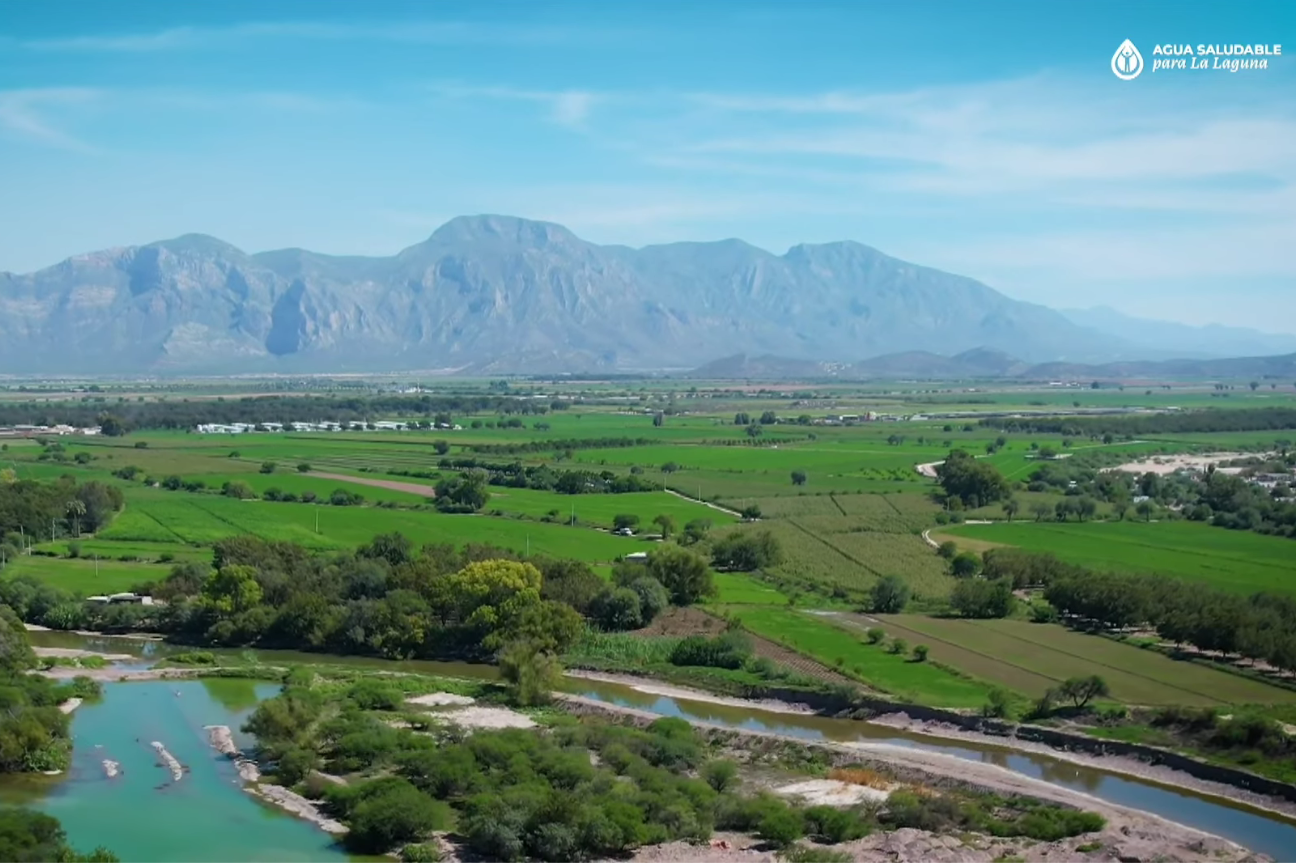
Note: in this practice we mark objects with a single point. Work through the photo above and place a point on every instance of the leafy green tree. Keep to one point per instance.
(695, 531)
(965, 565)
(889, 595)
(968, 479)
(1081, 690)
(684, 573)
(1011, 507)
(665, 524)
(232, 589)
(720, 774)
(920, 652)
(268, 467)
(625, 520)
(981, 598)
(798, 477)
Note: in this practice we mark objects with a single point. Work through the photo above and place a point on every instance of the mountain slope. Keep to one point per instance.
(501, 294)
(1182, 340)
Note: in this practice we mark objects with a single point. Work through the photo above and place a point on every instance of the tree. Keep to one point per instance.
(750, 512)
(1254, 385)
(1120, 506)
(920, 652)
(665, 524)
(624, 521)
(683, 573)
(659, 419)
(982, 598)
(753, 430)
(1145, 508)
(695, 531)
(1011, 507)
(111, 426)
(965, 565)
(617, 609)
(1081, 690)
(232, 589)
(947, 549)
(267, 467)
(889, 595)
(747, 552)
(669, 467)
(969, 480)
(76, 510)
(29, 835)
(742, 419)
(392, 814)
(798, 477)
(440, 447)
(898, 646)
(465, 493)
(875, 634)
(303, 467)
(238, 490)
(531, 674)
(1040, 510)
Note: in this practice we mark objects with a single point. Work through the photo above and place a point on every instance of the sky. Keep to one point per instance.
(989, 139)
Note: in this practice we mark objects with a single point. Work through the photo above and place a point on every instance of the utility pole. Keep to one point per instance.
(573, 521)
(317, 519)
(96, 565)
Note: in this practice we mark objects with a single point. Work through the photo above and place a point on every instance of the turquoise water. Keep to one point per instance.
(142, 815)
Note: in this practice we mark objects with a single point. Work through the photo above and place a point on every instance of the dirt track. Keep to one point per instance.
(390, 485)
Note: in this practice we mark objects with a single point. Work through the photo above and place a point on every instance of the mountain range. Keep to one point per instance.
(982, 363)
(498, 294)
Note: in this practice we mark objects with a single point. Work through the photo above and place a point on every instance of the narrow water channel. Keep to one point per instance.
(1260, 831)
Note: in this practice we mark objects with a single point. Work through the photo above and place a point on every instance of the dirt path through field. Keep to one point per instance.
(717, 507)
(390, 485)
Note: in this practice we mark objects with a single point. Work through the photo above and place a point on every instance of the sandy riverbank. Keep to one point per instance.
(652, 687)
(117, 675)
(1121, 764)
(295, 804)
(73, 653)
(70, 705)
(1140, 835)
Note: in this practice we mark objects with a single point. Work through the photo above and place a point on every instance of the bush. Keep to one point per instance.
(268, 467)
(875, 635)
(898, 646)
(730, 650)
(889, 595)
(831, 825)
(424, 852)
(998, 704)
(391, 812)
(303, 467)
(720, 774)
(781, 827)
(920, 652)
(74, 549)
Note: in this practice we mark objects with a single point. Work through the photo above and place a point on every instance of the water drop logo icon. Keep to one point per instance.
(1127, 62)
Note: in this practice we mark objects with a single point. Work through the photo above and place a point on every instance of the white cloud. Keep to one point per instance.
(410, 32)
(25, 113)
(566, 107)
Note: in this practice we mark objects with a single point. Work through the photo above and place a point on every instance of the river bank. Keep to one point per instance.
(1134, 834)
(649, 686)
(1123, 764)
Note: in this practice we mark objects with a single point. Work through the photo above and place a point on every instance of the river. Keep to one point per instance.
(128, 709)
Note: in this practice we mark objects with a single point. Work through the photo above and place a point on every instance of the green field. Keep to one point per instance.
(600, 509)
(86, 576)
(1239, 561)
(835, 647)
(1030, 658)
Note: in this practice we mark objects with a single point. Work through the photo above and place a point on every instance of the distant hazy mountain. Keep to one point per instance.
(981, 364)
(1182, 340)
(496, 294)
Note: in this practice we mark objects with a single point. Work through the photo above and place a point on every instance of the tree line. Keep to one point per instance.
(1177, 422)
(1259, 627)
(389, 599)
(31, 510)
(185, 413)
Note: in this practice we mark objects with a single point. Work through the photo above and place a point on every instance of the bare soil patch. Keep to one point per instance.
(390, 485)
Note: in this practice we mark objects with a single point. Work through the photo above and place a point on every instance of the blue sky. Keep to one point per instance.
(989, 139)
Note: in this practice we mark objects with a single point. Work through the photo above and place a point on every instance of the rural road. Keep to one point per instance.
(714, 506)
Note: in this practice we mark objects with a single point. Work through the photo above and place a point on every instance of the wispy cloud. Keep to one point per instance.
(565, 107)
(409, 32)
(26, 114)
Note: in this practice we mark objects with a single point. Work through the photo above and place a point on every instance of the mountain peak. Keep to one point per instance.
(197, 244)
(493, 228)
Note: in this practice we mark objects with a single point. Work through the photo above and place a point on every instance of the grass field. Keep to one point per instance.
(198, 519)
(1030, 658)
(600, 509)
(1239, 561)
(837, 648)
(86, 576)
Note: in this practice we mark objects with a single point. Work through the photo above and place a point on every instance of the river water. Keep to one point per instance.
(210, 818)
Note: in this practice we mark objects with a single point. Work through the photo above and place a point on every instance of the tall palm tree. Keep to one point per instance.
(75, 510)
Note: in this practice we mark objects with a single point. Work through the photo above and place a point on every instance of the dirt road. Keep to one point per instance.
(390, 485)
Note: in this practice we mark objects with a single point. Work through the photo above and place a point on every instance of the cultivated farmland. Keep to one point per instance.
(1239, 561)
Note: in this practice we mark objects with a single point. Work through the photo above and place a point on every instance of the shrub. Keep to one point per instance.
(920, 652)
(268, 467)
(303, 467)
(998, 704)
(889, 595)
(875, 634)
(720, 774)
(831, 825)
(898, 646)
(74, 549)
(391, 812)
(423, 852)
